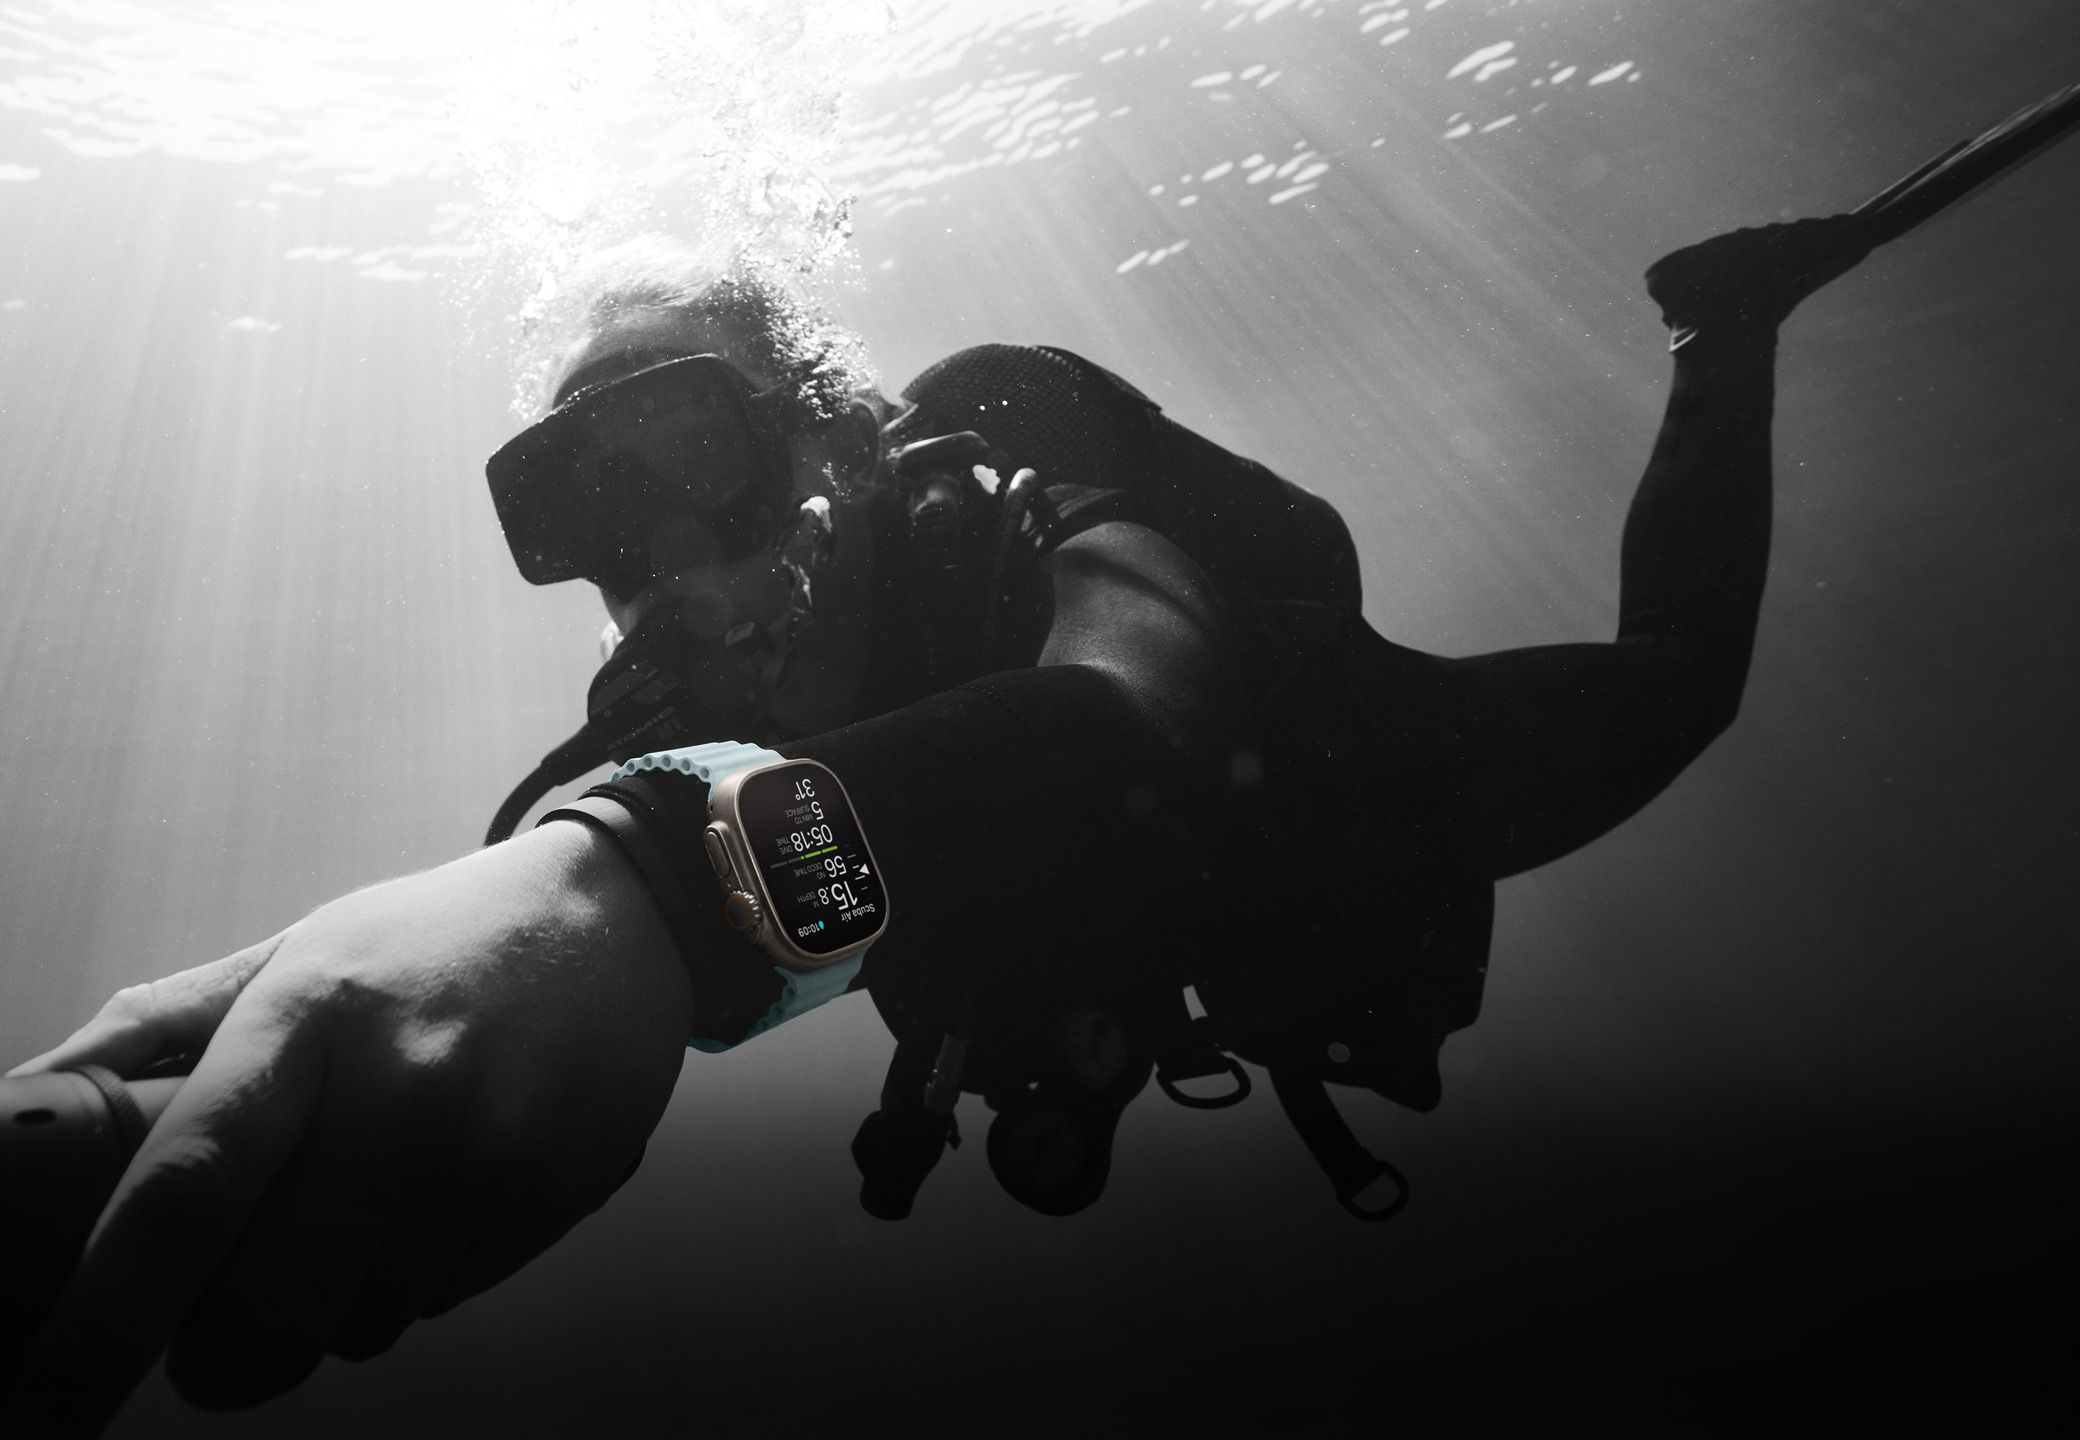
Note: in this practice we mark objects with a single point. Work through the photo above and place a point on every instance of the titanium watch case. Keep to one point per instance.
(746, 894)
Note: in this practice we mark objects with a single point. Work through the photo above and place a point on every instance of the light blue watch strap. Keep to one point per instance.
(710, 762)
(805, 990)
(802, 991)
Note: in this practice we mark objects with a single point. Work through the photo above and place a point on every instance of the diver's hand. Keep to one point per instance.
(159, 1019)
(419, 1088)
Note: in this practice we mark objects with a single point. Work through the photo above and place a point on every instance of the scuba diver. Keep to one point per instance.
(1096, 694)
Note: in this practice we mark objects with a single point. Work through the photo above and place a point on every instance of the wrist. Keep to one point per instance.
(597, 880)
(733, 989)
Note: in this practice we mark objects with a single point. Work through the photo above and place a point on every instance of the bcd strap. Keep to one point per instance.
(1351, 1168)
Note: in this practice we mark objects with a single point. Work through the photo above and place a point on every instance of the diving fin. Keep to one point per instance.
(1764, 273)
(1968, 165)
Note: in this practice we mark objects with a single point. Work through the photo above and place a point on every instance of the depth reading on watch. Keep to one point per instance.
(823, 887)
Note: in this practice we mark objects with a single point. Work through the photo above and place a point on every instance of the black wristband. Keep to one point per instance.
(732, 985)
(644, 851)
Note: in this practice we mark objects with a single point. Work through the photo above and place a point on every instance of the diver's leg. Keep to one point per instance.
(1696, 543)
(1573, 739)
(1696, 546)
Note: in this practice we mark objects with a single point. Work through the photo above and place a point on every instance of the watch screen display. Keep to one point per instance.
(823, 889)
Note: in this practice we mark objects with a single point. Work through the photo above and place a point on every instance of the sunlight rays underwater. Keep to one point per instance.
(266, 274)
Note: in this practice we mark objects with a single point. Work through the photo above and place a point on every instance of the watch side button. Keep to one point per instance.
(717, 856)
(741, 911)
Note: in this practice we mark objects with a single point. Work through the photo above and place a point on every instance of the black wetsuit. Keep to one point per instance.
(1322, 877)
(1313, 882)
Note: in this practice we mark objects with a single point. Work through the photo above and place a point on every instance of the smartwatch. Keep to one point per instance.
(798, 878)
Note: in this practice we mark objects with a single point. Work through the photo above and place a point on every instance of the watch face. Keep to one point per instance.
(823, 888)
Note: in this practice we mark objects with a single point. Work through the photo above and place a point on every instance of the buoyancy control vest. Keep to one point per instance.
(1357, 939)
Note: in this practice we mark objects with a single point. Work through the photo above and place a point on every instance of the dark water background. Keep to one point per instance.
(1769, 1112)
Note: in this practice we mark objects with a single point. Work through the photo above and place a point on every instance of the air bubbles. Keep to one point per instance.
(586, 126)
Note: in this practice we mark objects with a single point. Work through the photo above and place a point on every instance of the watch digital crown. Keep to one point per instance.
(740, 908)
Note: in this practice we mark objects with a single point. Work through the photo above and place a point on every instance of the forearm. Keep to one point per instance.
(601, 891)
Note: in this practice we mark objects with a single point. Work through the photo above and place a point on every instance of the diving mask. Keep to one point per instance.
(683, 463)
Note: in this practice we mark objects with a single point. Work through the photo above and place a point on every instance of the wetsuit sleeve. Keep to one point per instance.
(1023, 808)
